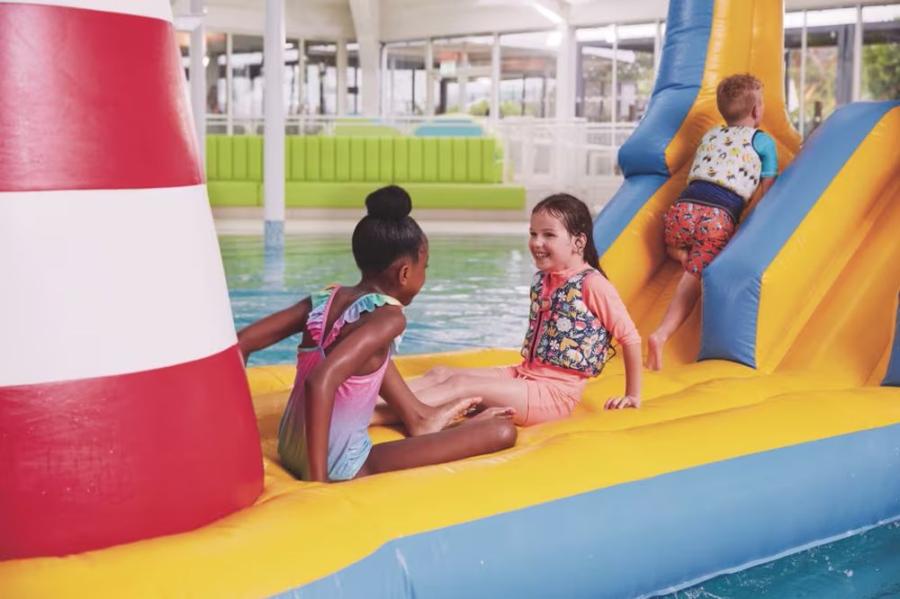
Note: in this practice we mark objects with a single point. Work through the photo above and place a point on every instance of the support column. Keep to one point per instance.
(857, 55)
(614, 109)
(387, 83)
(496, 78)
(229, 85)
(565, 108)
(341, 67)
(580, 107)
(429, 78)
(369, 62)
(366, 20)
(565, 74)
(198, 77)
(657, 47)
(273, 145)
(301, 87)
(802, 92)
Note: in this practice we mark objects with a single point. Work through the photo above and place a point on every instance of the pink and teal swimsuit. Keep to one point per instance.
(354, 401)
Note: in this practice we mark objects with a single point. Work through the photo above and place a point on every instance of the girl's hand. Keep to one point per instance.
(622, 401)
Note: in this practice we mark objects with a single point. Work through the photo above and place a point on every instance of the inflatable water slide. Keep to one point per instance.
(129, 468)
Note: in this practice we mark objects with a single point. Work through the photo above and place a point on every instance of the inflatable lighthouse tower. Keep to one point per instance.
(124, 409)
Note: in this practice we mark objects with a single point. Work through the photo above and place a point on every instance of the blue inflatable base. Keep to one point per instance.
(649, 536)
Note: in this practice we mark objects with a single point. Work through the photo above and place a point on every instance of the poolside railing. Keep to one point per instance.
(572, 155)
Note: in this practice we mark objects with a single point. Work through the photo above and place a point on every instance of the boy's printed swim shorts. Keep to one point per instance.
(700, 229)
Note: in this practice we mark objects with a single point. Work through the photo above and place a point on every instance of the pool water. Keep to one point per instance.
(864, 566)
(476, 295)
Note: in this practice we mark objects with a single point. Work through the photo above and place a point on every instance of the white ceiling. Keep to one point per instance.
(417, 19)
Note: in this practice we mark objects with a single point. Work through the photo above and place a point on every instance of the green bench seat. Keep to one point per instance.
(338, 172)
(425, 196)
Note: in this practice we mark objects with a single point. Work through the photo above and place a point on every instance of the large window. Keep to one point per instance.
(829, 63)
(321, 77)
(404, 81)
(824, 80)
(635, 71)
(183, 39)
(246, 79)
(309, 85)
(793, 67)
(828, 80)
(463, 74)
(214, 64)
(614, 71)
(294, 83)
(593, 95)
(528, 73)
(626, 51)
(214, 67)
(881, 53)
(354, 79)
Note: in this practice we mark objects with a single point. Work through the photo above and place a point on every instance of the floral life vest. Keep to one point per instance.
(563, 332)
(727, 158)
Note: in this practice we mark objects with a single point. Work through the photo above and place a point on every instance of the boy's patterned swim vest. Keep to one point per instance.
(568, 334)
(726, 157)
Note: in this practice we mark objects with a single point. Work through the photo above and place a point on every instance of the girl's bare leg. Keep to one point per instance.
(386, 415)
(491, 432)
(438, 417)
(495, 392)
(439, 374)
(400, 405)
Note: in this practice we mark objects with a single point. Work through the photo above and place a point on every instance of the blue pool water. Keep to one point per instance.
(864, 566)
(477, 296)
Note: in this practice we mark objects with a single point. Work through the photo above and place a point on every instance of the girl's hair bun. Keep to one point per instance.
(389, 203)
(388, 232)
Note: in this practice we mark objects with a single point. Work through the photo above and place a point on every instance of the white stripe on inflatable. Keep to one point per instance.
(155, 9)
(105, 282)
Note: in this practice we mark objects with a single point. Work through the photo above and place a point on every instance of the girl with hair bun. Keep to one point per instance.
(344, 362)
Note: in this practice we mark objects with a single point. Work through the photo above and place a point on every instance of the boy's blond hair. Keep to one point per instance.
(734, 96)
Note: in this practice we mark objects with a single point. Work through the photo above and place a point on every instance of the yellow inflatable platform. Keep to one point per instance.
(785, 433)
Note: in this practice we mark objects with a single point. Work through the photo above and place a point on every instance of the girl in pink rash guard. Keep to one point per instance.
(575, 316)
(344, 363)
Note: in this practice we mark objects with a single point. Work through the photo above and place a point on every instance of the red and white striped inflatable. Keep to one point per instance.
(124, 409)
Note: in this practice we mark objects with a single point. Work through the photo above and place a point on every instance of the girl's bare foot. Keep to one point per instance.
(437, 418)
(506, 413)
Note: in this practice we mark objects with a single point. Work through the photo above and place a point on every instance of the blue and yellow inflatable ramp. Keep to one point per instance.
(781, 438)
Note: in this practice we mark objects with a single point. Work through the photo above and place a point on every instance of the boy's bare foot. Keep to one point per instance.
(437, 418)
(655, 343)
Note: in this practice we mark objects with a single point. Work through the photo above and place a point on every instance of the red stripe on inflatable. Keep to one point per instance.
(91, 100)
(97, 462)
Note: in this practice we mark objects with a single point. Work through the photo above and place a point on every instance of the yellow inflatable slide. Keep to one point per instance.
(773, 427)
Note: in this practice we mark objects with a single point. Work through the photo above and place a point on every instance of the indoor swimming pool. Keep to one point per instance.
(476, 296)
